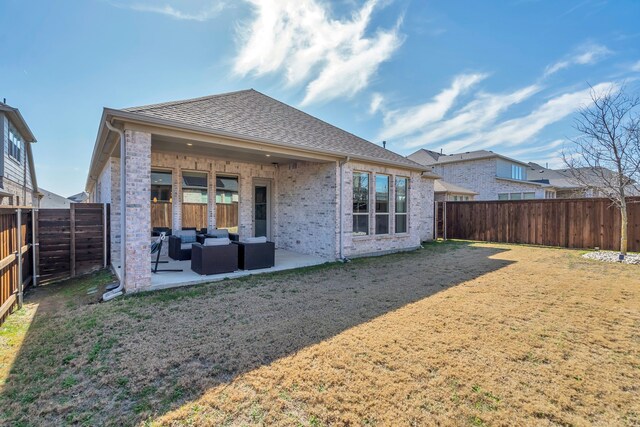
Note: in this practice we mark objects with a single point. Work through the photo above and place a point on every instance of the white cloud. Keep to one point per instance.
(537, 149)
(398, 123)
(376, 103)
(473, 117)
(300, 38)
(587, 54)
(202, 14)
(519, 130)
(636, 67)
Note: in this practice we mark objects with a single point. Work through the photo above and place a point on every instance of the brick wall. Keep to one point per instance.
(246, 173)
(480, 176)
(420, 215)
(307, 207)
(138, 208)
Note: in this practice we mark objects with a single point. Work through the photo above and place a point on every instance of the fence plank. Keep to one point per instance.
(571, 223)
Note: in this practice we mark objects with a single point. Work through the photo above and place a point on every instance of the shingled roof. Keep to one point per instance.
(252, 114)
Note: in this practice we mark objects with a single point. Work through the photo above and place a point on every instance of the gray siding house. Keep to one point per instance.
(18, 186)
(490, 175)
(250, 164)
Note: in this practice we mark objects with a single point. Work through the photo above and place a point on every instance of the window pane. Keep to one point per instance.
(382, 224)
(360, 192)
(401, 195)
(529, 196)
(401, 223)
(382, 193)
(360, 225)
(516, 196)
(191, 195)
(194, 179)
(503, 196)
(161, 186)
(227, 203)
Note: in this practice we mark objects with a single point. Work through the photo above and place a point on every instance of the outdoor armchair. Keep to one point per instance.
(215, 256)
(255, 253)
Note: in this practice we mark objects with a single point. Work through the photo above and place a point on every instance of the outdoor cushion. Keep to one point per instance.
(187, 236)
(218, 233)
(217, 242)
(261, 239)
(185, 245)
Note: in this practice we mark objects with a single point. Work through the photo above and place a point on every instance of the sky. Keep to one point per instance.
(455, 76)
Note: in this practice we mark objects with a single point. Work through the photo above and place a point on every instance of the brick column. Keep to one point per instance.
(176, 177)
(137, 210)
(211, 190)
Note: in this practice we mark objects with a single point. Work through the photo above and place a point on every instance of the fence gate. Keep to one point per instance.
(72, 241)
(16, 256)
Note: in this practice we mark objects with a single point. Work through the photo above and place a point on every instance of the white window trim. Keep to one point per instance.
(368, 212)
(395, 201)
(375, 212)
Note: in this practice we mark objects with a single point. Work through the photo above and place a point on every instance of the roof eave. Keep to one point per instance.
(19, 122)
(127, 116)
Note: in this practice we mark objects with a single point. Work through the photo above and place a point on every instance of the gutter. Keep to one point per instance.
(123, 217)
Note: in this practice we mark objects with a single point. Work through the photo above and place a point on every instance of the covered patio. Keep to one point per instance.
(285, 260)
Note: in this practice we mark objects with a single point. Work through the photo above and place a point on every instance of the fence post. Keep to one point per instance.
(104, 235)
(34, 245)
(72, 248)
(444, 218)
(19, 254)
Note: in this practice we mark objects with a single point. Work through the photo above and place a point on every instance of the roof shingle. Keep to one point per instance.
(255, 115)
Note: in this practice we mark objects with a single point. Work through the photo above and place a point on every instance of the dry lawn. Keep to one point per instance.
(456, 333)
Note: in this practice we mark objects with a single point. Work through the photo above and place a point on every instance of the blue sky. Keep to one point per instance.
(453, 75)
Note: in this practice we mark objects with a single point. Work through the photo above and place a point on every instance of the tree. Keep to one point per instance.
(605, 156)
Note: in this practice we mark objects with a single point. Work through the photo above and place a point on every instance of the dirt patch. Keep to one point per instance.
(456, 333)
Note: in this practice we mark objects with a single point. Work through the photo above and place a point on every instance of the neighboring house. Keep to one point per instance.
(18, 184)
(247, 162)
(567, 187)
(447, 192)
(490, 175)
(49, 200)
(79, 198)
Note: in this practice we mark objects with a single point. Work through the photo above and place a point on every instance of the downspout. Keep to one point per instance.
(341, 244)
(123, 218)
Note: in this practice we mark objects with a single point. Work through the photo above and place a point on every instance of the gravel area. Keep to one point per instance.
(610, 256)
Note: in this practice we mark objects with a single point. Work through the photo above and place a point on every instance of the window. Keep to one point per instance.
(549, 195)
(161, 186)
(194, 187)
(227, 203)
(528, 196)
(382, 204)
(402, 185)
(516, 196)
(15, 144)
(360, 203)
(503, 196)
(516, 172)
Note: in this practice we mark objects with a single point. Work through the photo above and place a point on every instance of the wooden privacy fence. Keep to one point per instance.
(72, 241)
(16, 256)
(194, 215)
(569, 223)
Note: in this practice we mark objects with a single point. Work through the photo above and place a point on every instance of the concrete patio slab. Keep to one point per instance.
(285, 260)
